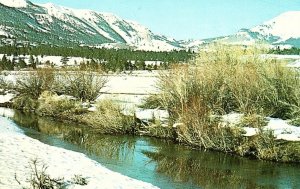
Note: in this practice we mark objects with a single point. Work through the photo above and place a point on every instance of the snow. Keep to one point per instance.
(231, 119)
(56, 60)
(3, 33)
(280, 57)
(295, 64)
(250, 131)
(281, 128)
(17, 150)
(14, 3)
(6, 112)
(285, 26)
(149, 114)
(131, 84)
(6, 98)
(133, 33)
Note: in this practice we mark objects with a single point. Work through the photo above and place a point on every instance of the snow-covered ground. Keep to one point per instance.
(6, 98)
(55, 60)
(131, 84)
(295, 64)
(281, 128)
(280, 57)
(17, 150)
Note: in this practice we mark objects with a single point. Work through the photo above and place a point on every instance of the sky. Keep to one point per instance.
(188, 19)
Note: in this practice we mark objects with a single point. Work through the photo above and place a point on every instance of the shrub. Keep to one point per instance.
(79, 180)
(82, 85)
(5, 85)
(39, 179)
(35, 83)
(227, 79)
(25, 103)
(58, 106)
(109, 118)
(224, 79)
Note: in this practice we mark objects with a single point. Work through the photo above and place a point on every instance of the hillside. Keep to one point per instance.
(283, 30)
(25, 22)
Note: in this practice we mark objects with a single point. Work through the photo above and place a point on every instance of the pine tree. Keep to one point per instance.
(22, 63)
(64, 60)
(31, 60)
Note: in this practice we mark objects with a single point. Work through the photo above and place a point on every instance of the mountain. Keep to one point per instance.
(283, 30)
(25, 22)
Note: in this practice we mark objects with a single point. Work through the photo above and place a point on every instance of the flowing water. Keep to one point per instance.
(162, 163)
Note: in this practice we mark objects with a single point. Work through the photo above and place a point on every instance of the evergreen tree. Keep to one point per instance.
(31, 60)
(64, 60)
(22, 63)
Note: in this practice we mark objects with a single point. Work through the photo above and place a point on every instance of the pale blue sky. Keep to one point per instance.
(189, 19)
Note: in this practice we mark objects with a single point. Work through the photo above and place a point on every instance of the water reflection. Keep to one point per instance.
(219, 170)
(165, 164)
(120, 148)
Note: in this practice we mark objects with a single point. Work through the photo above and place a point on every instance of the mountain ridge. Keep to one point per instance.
(282, 30)
(29, 23)
(58, 25)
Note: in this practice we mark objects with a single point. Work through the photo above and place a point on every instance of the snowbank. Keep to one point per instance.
(150, 114)
(16, 151)
(281, 129)
(6, 98)
(130, 84)
(295, 64)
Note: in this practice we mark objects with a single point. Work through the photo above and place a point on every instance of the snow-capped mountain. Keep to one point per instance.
(283, 30)
(24, 22)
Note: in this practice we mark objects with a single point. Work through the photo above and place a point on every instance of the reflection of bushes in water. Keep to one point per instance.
(207, 171)
(28, 120)
(112, 147)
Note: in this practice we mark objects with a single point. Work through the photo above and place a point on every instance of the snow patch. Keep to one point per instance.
(14, 3)
(6, 98)
(295, 64)
(7, 126)
(150, 114)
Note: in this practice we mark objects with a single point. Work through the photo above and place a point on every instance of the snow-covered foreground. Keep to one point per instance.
(17, 150)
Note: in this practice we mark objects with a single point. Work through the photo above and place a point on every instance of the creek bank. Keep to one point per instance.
(17, 150)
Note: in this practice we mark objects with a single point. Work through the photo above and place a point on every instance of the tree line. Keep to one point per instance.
(286, 51)
(107, 59)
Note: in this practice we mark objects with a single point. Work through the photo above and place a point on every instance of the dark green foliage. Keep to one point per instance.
(64, 60)
(105, 59)
(22, 63)
(6, 64)
(291, 51)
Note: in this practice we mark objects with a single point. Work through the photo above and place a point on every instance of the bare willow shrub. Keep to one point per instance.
(34, 83)
(31, 86)
(84, 85)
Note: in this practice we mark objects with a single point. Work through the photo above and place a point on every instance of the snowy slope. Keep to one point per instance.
(282, 31)
(14, 3)
(53, 24)
(284, 26)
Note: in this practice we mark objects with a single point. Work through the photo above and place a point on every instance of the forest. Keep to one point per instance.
(110, 59)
